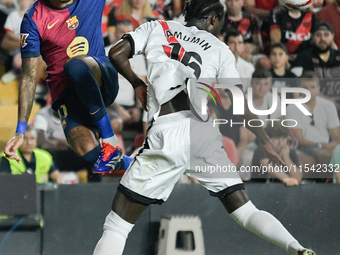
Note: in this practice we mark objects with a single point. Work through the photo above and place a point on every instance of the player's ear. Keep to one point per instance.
(212, 21)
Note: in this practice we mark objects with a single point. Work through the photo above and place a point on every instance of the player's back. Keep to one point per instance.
(197, 49)
(175, 53)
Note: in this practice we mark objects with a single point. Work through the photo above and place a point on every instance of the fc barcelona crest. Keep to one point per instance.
(72, 23)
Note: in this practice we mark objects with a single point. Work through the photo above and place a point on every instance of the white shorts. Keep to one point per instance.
(175, 145)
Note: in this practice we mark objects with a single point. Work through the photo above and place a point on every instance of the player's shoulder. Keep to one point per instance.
(306, 54)
(335, 53)
(42, 153)
(33, 8)
(246, 63)
(247, 15)
(325, 102)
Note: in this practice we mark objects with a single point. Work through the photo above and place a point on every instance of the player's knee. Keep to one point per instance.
(76, 69)
(243, 213)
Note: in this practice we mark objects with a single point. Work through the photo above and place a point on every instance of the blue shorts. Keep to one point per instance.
(71, 111)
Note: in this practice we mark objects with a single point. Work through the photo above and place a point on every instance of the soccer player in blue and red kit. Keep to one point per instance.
(67, 33)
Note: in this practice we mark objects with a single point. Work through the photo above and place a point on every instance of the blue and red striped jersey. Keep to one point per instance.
(60, 34)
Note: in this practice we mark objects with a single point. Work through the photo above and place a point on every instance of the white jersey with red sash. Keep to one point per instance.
(180, 52)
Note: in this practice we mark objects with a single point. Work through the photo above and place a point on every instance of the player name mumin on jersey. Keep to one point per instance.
(194, 39)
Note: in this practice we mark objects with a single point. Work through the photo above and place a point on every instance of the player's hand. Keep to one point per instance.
(284, 152)
(271, 153)
(141, 93)
(13, 145)
(330, 146)
(291, 182)
(124, 114)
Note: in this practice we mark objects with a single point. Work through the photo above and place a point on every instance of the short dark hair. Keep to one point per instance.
(261, 73)
(201, 9)
(279, 45)
(277, 131)
(232, 33)
(309, 76)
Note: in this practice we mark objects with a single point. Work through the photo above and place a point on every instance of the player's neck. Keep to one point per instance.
(27, 156)
(279, 71)
(311, 103)
(138, 13)
(235, 16)
(325, 56)
(59, 4)
(258, 101)
(194, 22)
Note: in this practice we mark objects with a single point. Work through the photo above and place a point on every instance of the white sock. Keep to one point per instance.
(266, 226)
(113, 140)
(116, 230)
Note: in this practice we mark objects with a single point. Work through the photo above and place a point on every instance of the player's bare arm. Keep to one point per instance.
(266, 144)
(26, 98)
(119, 57)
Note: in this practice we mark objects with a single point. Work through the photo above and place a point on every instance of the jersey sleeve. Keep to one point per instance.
(332, 116)
(53, 168)
(274, 21)
(9, 24)
(139, 37)
(255, 24)
(40, 122)
(29, 38)
(314, 23)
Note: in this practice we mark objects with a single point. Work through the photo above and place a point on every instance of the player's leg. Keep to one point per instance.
(228, 187)
(149, 180)
(118, 224)
(261, 223)
(86, 75)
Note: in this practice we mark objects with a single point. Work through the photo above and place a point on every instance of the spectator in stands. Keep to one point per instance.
(317, 6)
(279, 135)
(11, 42)
(320, 58)
(331, 14)
(260, 8)
(323, 60)
(281, 76)
(244, 22)
(137, 11)
(262, 99)
(234, 39)
(50, 137)
(33, 160)
(173, 8)
(6, 6)
(319, 133)
(293, 28)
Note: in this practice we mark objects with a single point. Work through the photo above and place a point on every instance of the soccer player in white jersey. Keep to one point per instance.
(173, 58)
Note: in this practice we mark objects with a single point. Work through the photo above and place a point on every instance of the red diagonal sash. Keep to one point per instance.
(303, 29)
